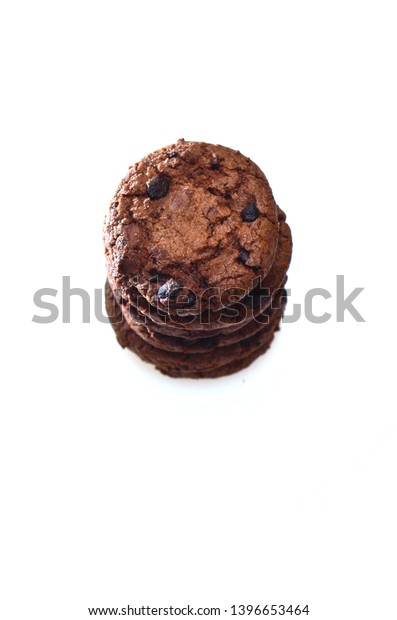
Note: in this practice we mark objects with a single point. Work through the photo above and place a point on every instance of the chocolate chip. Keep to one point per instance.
(157, 186)
(244, 256)
(186, 300)
(169, 290)
(250, 213)
(214, 162)
(172, 155)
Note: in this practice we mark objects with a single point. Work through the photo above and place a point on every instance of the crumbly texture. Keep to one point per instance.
(190, 225)
(213, 323)
(216, 363)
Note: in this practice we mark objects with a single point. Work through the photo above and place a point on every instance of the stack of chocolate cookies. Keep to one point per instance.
(197, 253)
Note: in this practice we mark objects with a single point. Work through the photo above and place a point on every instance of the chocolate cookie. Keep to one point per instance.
(191, 226)
(199, 364)
(213, 323)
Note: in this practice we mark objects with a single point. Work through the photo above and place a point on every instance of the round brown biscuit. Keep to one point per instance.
(191, 215)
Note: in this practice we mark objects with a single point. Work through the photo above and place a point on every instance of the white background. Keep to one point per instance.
(276, 485)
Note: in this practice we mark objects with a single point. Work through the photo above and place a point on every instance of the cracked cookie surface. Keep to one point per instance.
(191, 226)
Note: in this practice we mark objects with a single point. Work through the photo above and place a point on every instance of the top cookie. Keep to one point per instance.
(192, 226)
